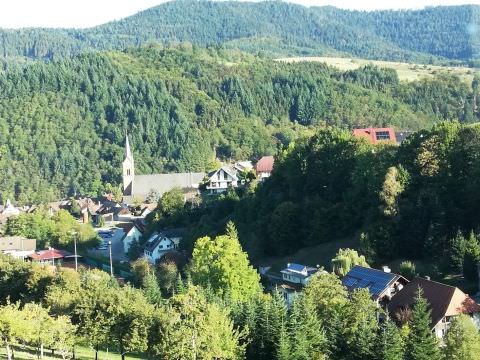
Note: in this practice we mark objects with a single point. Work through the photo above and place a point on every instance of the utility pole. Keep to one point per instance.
(111, 263)
(76, 256)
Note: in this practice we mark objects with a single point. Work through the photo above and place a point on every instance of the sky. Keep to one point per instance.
(87, 13)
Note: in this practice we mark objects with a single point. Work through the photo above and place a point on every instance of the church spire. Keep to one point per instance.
(128, 168)
(128, 151)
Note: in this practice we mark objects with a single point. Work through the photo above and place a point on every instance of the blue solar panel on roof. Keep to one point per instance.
(349, 281)
(376, 281)
(296, 267)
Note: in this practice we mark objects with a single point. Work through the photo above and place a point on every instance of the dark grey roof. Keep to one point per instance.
(161, 183)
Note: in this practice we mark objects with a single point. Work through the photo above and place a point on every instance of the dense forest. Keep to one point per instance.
(416, 201)
(63, 123)
(272, 28)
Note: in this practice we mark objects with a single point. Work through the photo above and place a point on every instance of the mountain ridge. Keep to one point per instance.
(273, 28)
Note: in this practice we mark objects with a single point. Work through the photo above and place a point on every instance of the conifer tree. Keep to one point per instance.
(472, 258)
(462, 341)
(390, 343)
(421, 342)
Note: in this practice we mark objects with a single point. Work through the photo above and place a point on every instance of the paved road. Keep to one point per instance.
(117, 246)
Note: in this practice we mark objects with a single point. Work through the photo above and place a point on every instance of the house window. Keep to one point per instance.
(382, 135)
(225, 177)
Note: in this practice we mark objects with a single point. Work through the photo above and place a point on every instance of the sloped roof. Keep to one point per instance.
(265, 164)
(157, 237)
(161, 183)
(444, 300)
(376, 281)
(228, 170)
(50, 254)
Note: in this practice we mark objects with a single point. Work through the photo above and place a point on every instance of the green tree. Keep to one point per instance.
(421, 342)
(462, 341)
(456, 252)
(360, 326)
(192, 328)
(345, 259)
(390, 344)
(171, 202)
(12, 326)
(407, 269)
(221, 264)
(472, 257)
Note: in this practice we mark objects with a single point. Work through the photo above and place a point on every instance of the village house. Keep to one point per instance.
(50, 256)
(445, 302)
(289, 281)
(17, 246)
(222, 179)
(376, 135)
(132, 232)
(161, 243)
(264, 167)
(382, 284)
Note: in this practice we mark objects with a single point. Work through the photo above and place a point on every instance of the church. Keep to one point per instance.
(137, 187)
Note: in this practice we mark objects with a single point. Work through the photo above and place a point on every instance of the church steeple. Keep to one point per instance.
(128, 168)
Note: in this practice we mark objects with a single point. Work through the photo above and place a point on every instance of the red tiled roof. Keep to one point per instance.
(371, 134)
(444, 300)
(265, 164)
(51, 254)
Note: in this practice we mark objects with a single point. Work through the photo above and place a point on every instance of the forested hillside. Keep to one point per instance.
(417, 201)
(62, 123)
(271, 28)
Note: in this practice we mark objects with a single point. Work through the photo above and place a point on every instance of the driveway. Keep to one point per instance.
(117, 245)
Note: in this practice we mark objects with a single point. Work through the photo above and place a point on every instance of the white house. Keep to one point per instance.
(132, 233)
(291, 281)
(220, 180)
(161, 243)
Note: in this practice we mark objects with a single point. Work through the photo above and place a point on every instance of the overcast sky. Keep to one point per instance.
(86, 13)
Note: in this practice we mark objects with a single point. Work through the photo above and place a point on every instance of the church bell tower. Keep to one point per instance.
(128, 169)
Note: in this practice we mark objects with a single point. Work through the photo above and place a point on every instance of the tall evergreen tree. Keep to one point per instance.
(462, 341)
(390, 344)
(421, 342)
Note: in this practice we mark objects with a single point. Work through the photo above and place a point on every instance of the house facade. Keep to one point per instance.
(289, 281)
(220, 180)
(160, 243)
(264, 167)
(132, 233)
(17, 246)
(446, 302)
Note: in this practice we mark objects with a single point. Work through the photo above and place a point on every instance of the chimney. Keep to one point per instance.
(386, 269)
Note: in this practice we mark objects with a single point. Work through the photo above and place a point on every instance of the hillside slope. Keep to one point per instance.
(274, 28)
(62, 123)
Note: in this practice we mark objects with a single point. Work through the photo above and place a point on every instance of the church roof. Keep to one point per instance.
(161, 183)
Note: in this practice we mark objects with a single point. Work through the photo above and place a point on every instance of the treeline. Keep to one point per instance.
(273, 28)
(215, 310)
(414, 201)
(63, 123)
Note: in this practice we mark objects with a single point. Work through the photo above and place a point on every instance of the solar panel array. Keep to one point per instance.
(296, 267)
(365, 278)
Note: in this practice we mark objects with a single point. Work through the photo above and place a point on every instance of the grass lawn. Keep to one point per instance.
(82, 353)
(405, 71)
(320, 254)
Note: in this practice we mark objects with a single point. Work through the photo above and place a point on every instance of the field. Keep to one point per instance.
(405, 71)
(81, 353)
